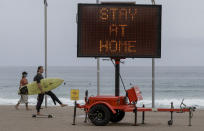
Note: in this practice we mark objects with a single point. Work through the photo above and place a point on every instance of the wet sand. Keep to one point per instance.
(21, 120)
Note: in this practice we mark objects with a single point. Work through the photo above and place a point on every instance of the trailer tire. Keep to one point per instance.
(118, 116)
(99, 115)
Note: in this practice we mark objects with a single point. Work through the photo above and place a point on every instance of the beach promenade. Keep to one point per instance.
(21, 120)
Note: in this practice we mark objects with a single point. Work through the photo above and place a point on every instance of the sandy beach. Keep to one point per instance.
(21, 120)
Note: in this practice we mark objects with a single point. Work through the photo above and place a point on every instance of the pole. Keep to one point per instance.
(98, 76)
(153, 83)
(98, 69)
(117, 78)
(45, 20)
(153, 2)
(153, 74)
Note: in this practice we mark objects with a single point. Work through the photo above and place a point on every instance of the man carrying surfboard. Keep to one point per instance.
(24, 98)
(37, 78)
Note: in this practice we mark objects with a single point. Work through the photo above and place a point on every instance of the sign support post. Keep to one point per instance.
(153, 83)
(74, 95)
(153, 75)
(98, 69)
(117, 77)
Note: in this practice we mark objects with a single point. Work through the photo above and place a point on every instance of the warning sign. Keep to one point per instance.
(74, 94)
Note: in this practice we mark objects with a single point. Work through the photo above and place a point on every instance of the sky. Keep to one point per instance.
(22, 33)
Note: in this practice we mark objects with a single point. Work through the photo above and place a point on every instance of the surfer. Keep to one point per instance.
(37, 78)
(23, 98)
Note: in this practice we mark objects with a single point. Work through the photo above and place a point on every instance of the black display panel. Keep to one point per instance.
(119, 30)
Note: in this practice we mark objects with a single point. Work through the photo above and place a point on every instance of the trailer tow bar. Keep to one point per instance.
(191, 110)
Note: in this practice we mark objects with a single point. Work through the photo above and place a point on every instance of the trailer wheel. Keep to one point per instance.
(99, 115)
(118, 116)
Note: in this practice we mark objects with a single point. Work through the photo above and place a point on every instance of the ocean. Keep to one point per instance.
(172, 84)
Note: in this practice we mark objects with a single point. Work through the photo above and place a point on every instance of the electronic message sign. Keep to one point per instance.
(119, 30)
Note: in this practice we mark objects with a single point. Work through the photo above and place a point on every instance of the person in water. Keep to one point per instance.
(23, 98)
(37, 78)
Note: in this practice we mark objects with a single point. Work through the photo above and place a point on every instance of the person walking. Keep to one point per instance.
(40, 98)
(23, 98)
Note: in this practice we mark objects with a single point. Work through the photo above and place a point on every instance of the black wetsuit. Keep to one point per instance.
(37, 78)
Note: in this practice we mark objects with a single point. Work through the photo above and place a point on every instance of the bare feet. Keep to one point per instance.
(28, 109)
(63, 105)
(16, 106)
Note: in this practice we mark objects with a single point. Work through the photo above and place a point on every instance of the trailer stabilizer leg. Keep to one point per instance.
(170, 122)
(143, 115)
(135, 111)
(85, 121)
(190, 116)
